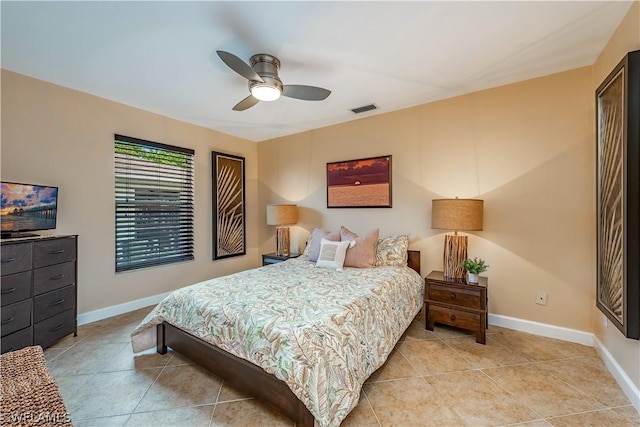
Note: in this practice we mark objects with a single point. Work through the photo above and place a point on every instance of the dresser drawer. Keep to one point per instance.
(55, 251)
(54, 328)
(15, 287)
(52, 303)
(54, 277)
(16, 340)
(15, 317)
(462, 297)
(15, 258)
(459, 318)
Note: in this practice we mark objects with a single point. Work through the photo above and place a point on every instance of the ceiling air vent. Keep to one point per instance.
(364, 108)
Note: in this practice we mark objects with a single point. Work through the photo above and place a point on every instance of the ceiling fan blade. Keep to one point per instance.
(238, 65)
(246, 103)
(308, 93)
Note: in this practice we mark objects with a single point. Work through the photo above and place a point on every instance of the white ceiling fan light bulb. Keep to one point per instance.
(265, 92)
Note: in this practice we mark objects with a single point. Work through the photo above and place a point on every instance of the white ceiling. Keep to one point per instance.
(160, 56)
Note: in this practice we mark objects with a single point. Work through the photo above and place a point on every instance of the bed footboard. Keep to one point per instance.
(238, 372)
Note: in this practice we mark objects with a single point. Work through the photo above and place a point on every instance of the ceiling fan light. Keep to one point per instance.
(265, 92)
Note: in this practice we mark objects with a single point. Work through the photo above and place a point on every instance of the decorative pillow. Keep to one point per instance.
(363, 254)
(315, 240)
(305, 252)
(332, 254)
(392, 251)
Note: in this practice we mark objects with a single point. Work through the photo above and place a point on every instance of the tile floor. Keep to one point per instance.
(431, 378)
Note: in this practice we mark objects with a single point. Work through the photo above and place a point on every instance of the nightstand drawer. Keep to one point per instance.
(461, 297)
(457, 318)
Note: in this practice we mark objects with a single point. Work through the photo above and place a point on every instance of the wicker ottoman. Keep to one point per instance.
(30, 395)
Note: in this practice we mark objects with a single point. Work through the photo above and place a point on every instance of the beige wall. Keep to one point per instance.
(56, 136)
(625, 39)
(525, 148)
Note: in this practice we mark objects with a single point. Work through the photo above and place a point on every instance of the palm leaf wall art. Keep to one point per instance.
(618, 195)
(229, 214)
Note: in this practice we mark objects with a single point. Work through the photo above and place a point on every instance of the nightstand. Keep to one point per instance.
(456, 303)
(272, 258)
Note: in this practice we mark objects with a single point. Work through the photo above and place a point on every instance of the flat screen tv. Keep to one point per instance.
(27, 207)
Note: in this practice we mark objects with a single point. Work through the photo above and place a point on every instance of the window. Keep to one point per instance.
(154, 203)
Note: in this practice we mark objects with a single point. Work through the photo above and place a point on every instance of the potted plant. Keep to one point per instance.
(473, 268)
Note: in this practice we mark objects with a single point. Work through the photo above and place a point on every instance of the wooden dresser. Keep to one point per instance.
(38, 290)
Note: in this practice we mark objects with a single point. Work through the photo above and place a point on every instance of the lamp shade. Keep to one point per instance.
(282, 214)
(457, 214)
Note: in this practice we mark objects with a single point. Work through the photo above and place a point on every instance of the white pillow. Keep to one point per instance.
(332, 254)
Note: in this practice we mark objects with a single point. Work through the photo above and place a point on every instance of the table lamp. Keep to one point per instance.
(457, 215)
(282, 215)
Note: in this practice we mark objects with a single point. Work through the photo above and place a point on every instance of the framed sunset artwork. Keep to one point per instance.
(360, 183)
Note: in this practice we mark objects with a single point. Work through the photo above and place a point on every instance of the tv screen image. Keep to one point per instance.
(27, 207)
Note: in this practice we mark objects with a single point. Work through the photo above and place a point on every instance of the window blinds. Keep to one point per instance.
(154, 203)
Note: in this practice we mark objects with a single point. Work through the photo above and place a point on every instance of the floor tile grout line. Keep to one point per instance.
(444, 399)
(77, 389)
(133, 412)
(215, 406)
(520, 423)
(399, 350)
(559, 379)
(575, 388)
(149, 411)
(151, 385)
(585, 412)
(512, 395)
(375, 415)
(459, 352)
(499, 385)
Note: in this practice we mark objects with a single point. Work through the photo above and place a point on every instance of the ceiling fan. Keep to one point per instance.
(264, 83)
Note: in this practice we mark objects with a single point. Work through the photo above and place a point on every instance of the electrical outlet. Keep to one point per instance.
(541, 298)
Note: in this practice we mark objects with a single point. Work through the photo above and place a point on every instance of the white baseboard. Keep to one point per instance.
(115, 310)
(550, 331)
(580, 337)
(629, 388)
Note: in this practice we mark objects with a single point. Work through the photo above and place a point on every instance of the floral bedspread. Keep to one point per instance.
(320, 331)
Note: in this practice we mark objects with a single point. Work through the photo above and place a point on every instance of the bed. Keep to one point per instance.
(301, 338)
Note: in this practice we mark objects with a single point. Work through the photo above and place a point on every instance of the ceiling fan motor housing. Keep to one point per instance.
(266, 66)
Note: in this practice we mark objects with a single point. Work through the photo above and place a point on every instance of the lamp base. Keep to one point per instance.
(455, 252)
(282, 241)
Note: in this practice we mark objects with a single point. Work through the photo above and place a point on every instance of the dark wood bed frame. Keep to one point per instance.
(239, 373)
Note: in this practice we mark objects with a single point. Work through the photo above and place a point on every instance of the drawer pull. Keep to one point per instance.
(5, 260)
(58, 277)
(60, 301)
(453, 317)
(56, 252)
(8, 291)
(453, 295)
(7, 321)
(57, 328)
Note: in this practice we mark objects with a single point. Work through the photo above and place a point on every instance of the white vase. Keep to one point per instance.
(472, 277)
